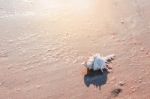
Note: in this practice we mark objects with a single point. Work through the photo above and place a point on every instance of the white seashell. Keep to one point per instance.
(97, 62)
(109, 57)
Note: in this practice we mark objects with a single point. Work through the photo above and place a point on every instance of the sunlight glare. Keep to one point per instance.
(81, 4)
(57, 5)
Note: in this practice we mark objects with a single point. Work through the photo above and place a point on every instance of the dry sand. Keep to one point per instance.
(44, 42)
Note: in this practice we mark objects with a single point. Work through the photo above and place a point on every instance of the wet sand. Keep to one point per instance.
(44, 42)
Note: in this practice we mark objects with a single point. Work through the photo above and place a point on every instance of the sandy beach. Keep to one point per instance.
(44, 42)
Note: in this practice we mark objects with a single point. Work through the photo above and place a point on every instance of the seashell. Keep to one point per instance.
(97, 62)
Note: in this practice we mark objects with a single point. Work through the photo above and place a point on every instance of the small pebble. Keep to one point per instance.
(133, 89)
(121, 83)
(38, 86)
(143, 70)
(112, 36)
(140, 80)
(135, 80)
(122, 21)
(1, 84)
(141, 49)
(49, 50)
(9, 67)
(27, 80)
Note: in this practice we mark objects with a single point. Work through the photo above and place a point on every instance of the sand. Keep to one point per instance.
(44, 42)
